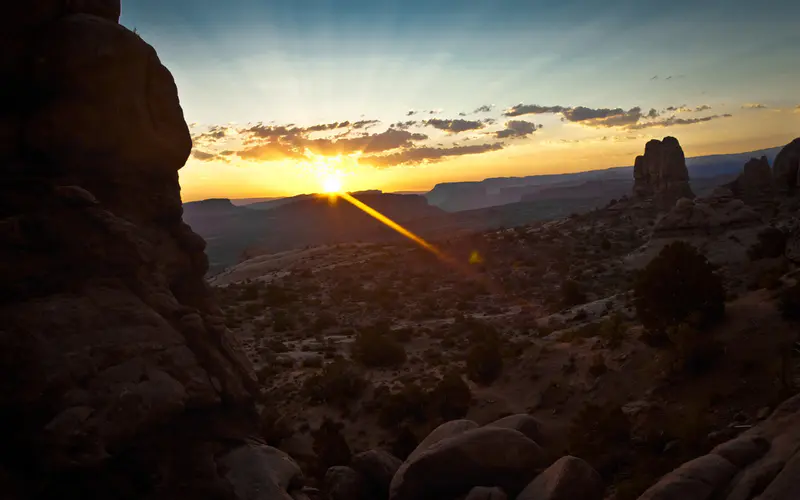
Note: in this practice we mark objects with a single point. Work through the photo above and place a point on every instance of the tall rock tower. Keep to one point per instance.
(661, 173)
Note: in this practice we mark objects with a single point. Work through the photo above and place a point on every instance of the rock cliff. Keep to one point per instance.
(661, 173)
(787, 167)
(119, 378)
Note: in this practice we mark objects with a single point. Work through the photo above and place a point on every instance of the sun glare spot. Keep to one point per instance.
(331, 184)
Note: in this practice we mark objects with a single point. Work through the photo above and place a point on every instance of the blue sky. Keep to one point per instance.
(318, 61)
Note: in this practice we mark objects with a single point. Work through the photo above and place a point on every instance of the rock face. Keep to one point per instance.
(566, 479)
(714, 214)
(487, 456)
(787, 167)
(119, 378)
(754, 185)
(763, 463)
(661, 173)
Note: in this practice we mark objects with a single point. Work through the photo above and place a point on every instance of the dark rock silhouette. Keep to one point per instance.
(787, 166)
(661, 173)
(119, 378)
(754, 185)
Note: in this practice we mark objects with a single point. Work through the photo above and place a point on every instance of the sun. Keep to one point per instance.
(331, 184)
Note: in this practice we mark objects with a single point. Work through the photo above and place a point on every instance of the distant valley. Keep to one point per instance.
(236, 229)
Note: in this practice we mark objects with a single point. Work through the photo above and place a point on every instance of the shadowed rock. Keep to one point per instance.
(787, 167)
(754, 185)
(119, 377)
(661, 174)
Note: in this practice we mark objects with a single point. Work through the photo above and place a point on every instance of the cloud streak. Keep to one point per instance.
(454, 126)
(672, 121)
(517, 128)
(422, 155)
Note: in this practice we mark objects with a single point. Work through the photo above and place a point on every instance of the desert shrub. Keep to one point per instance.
(403, 335)
(598, 366)
(600, 435)
(330, 446)
(448, 400)
(789, 303)
(678, 286)
(451, 398)
(337, 383)
(485, 361)
(613, 330)
(281, 320)
(572, 294)
(324, 320)
(694, 352)
(374, 349)
(274, 427)
(771, 243)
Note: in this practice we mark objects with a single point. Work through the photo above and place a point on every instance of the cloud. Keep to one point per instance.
(454, 126)
(411, 113)
(371, 143)
(202, 155)
(679, 109)
(702, 107)
(268, 152)
(327, 126)
(420, 155)
(653, 113)
(754, 106)
(654, 78)
(593, 117)
(365, 124)
(671, 121)
(404, 125)
(215, 133)
(516, 128)
(532, 109)
(262, 131)
(486, 108)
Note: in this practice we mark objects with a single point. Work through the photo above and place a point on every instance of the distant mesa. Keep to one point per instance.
(661, 173)
(787, 167)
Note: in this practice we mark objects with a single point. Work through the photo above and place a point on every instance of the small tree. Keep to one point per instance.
(678, 286)
(374, 349)
(572, 294)
(485, 362)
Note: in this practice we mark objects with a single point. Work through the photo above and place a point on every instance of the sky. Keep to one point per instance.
(284, 96)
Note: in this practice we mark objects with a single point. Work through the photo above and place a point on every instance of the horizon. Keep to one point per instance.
(284, 99)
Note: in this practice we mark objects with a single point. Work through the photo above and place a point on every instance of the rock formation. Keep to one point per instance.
(754, 185)
(119, 377)
(714, 214)
(786, 168)
(764, 462)
(661, 173)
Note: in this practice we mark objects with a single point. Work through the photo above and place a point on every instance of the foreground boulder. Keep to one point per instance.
(526, 424)
(661, 173)
(444, 431)
(567, 479)
(343, 483)
(259, 472)
(378, 467)
(762, 463)
(504, 458)
(486, 493)
(119, 377)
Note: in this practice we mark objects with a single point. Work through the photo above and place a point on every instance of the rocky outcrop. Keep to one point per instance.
(378, 467)
(786, 168)
(754, 185)
(119, 378)
(569, 478)
(487, 456)
(764, 463)
(525, 424)
(661, 173)
(714, 214)
(343, 483)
